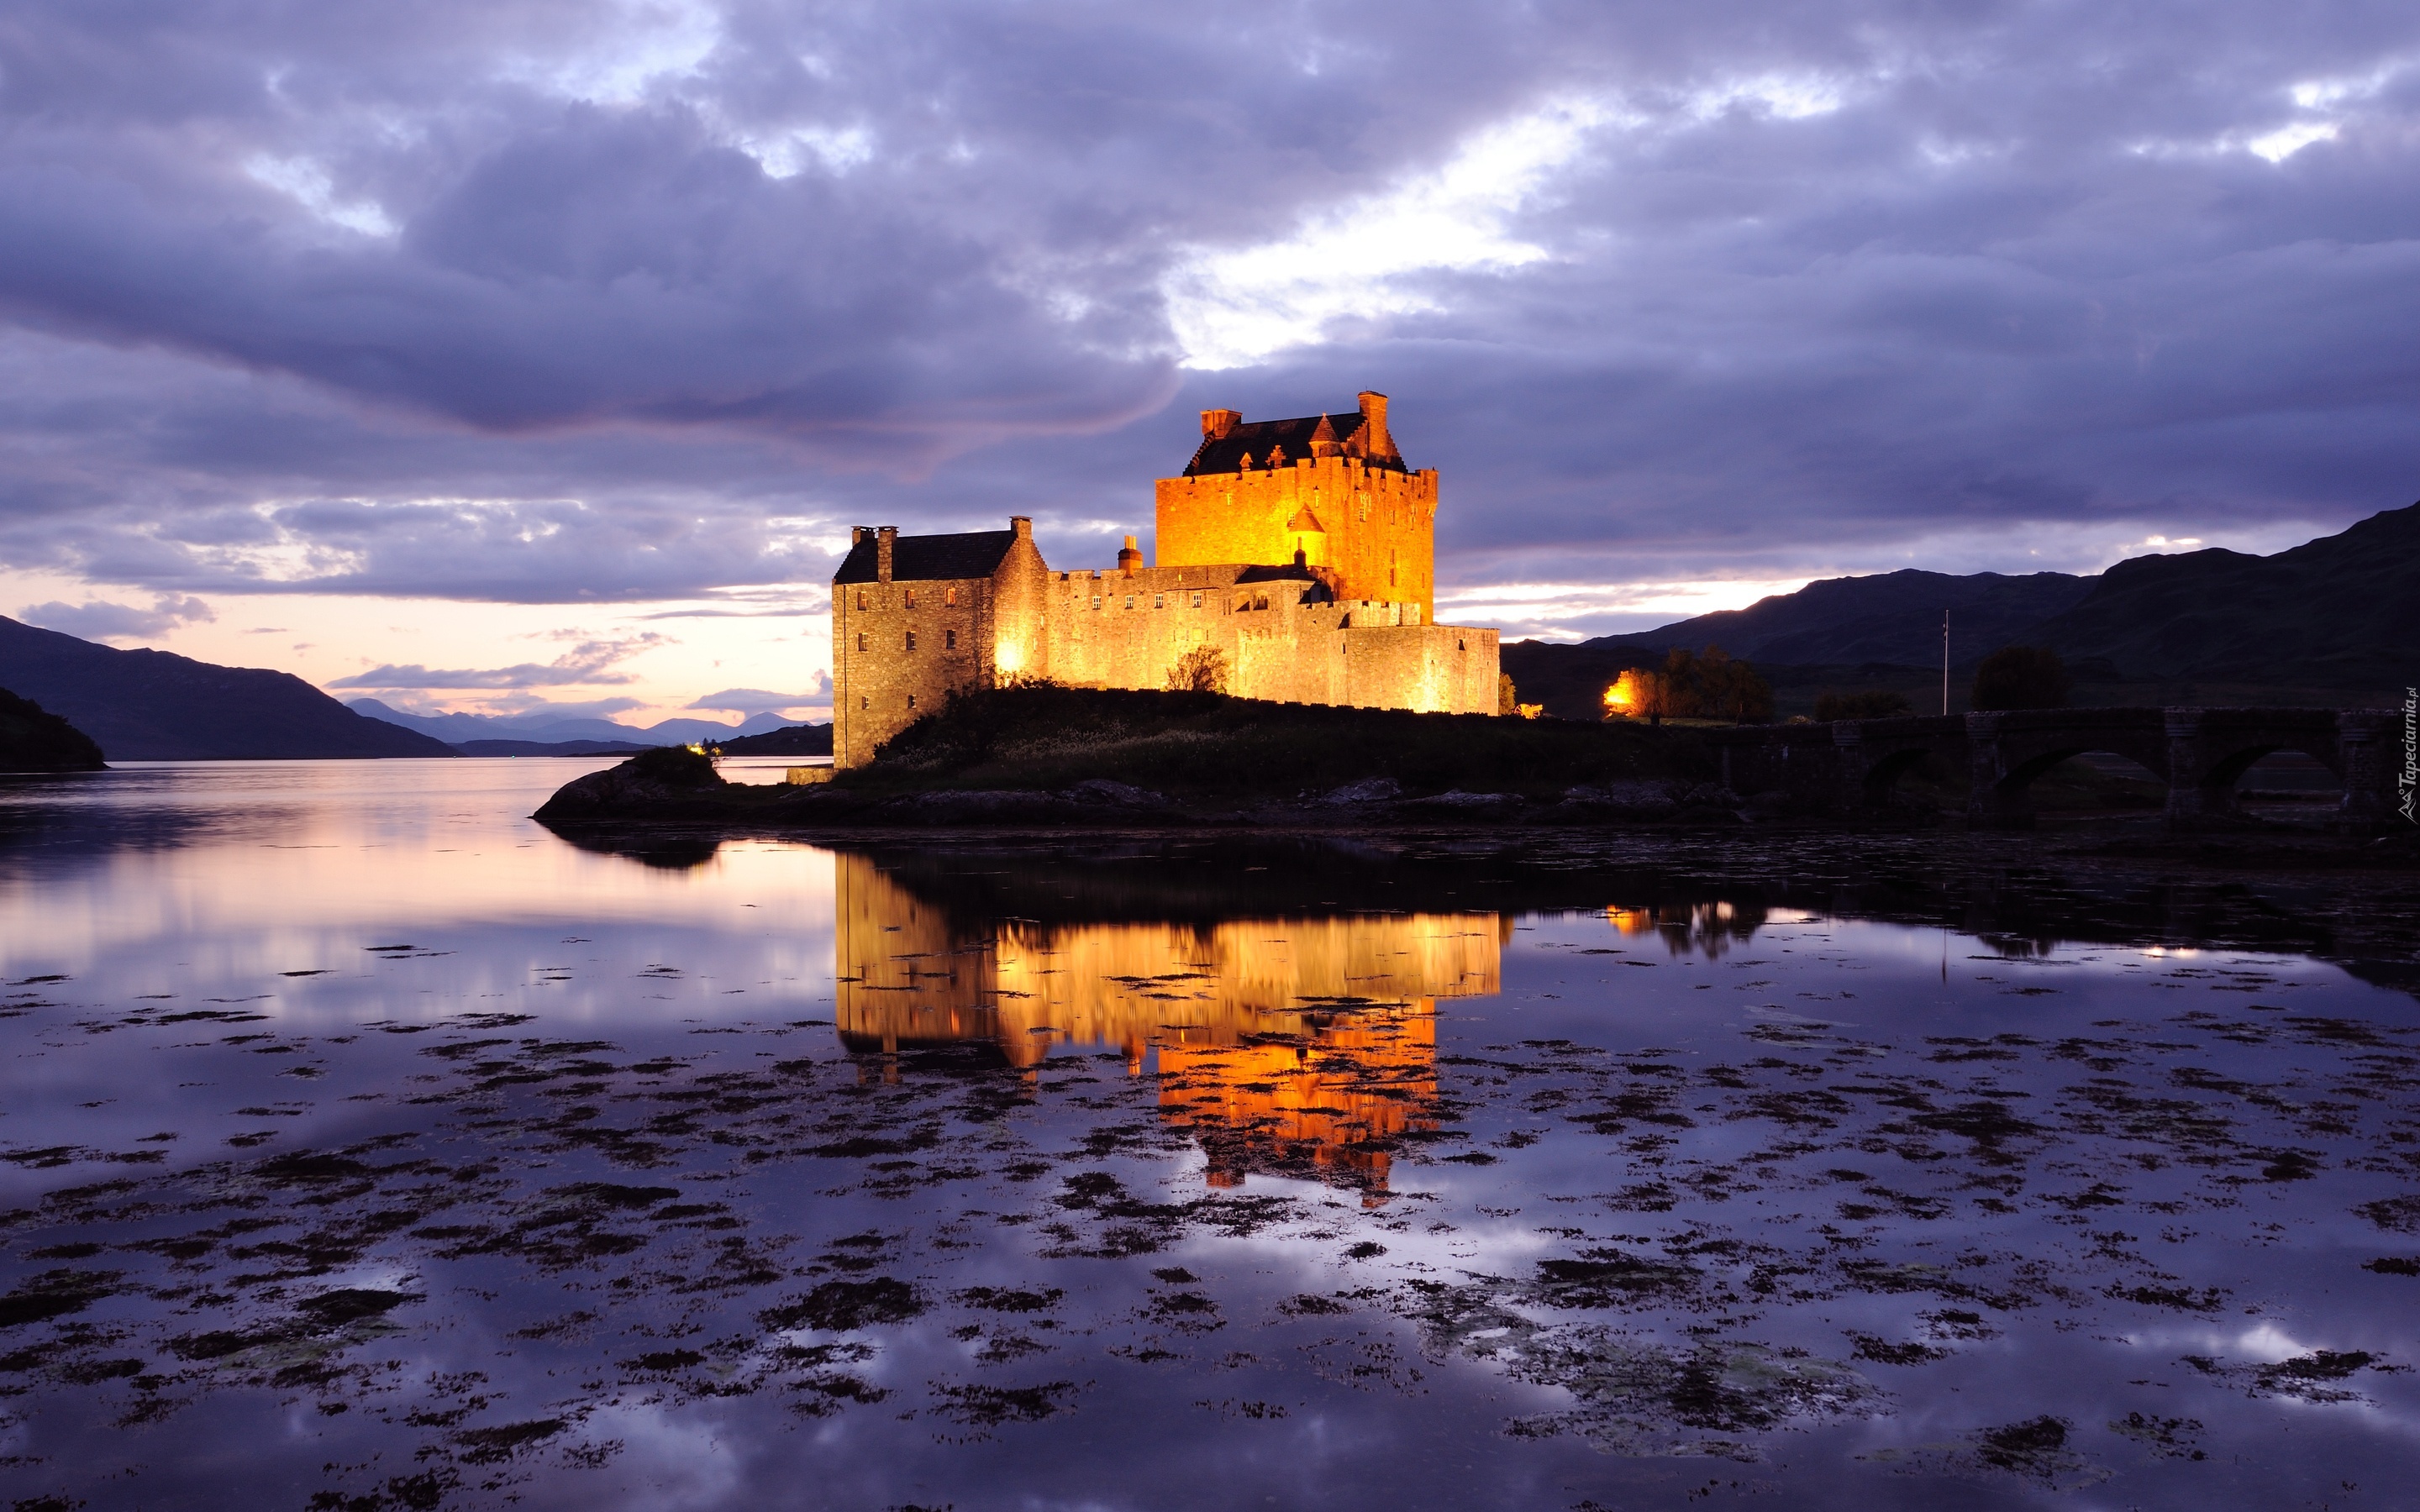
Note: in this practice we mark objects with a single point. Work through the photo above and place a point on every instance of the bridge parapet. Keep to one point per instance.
(2201, 753)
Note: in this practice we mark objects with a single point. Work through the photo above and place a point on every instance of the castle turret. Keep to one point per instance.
(1374, 419)
(1129, 557)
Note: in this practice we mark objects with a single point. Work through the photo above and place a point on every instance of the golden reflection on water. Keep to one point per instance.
(1293, 1044)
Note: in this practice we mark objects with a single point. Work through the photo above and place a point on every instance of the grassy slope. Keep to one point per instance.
(1199, 745)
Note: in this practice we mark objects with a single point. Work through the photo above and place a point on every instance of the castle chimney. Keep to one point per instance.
(1021, 526)
(1216, 424)
(1128, 558)
(857, 533)
(1373, 417)
(885, 538)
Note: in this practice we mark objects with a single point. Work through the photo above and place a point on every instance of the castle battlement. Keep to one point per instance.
(1301, 550)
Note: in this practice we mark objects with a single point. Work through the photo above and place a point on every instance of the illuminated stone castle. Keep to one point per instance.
(1302, 550)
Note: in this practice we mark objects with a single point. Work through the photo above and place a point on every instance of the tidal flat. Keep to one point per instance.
(367, 1146)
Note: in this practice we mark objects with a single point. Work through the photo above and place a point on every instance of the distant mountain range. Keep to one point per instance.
(457, 729)
(2337, 614)
(157, 707)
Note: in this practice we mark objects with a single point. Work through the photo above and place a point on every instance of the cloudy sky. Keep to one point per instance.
(500, 354)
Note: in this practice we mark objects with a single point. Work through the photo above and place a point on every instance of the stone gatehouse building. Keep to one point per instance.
(1302, 549)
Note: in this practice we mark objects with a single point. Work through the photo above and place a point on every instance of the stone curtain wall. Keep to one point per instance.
(1377, 526)
(1119, 629)
(1282, 641)
(1443, 668)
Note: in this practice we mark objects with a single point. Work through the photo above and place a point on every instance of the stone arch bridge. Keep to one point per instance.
(1855, 764)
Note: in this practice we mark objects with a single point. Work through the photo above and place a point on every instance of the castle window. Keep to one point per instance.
(1130, 601)
(949, 598)
(861, 641)
(866, 703)
(1159, 601)
(911, 596)
(912, 701)
(911, 640)
(1197, 601)
(860, 598)
(949, 640)
(1096, 601)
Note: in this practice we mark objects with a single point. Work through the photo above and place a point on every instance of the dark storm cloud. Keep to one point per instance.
(548, 303)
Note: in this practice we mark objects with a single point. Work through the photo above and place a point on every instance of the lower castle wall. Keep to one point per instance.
(1284, 640)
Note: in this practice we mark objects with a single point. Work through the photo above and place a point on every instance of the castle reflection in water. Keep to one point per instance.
(1286, 1040)
(1283, 1043)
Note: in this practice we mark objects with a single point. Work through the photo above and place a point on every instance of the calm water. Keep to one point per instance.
(368, 1146)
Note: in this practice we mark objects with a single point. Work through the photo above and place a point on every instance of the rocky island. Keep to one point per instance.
(1053, 755)
(32, 739)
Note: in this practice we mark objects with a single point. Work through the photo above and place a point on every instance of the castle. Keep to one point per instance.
(1303, 550)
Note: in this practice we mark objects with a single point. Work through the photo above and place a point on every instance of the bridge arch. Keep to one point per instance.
(2015, 790)
(1882, 774)
(2210, 749)
(2010, 750)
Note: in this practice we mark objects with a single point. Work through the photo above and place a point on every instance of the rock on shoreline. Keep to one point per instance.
(675, 786)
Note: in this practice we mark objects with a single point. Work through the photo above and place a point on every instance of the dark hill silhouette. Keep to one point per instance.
(790, 740)
(155, 705)
(35, 740)
(2340, 611)
(1892, 617)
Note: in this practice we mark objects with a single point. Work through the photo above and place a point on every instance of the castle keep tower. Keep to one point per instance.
(916, 618)
(1330, 486)
(1301, 551)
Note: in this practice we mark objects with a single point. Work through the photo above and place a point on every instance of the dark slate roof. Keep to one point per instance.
(918, 559)
(1226, 454)
(1287, 573)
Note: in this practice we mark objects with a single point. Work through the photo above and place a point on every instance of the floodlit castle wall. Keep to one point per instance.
(1127, 630)
(1286, 641)
(900, 648)
(1374, 527)
(1434, 668)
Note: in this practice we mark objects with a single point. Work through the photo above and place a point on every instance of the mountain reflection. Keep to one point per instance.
(1297, 1045)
